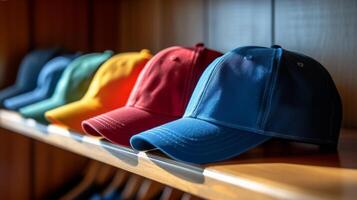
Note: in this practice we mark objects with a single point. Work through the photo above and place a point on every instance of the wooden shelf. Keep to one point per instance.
(275, 170)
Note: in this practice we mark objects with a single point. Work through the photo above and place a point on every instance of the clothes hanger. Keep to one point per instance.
(170, 193)
(97, 176)
(116, 185)
(90, 174)
(105, 176)
(187, 196)
(131, 187)
(149, 189)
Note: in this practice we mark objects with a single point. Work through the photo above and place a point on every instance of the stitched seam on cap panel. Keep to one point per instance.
(134, 87)
(194, 111)
(185, 141)
(189, 80)
(117, 124)
(111, 124)
(111, 120)
(103, 124)
(262, 132)
(152, 111)
(197, 139)
(276, 67)
(181, 143)
(263, 103)
(331, 127)
(332, 101)
(146, 73)
(333, 113)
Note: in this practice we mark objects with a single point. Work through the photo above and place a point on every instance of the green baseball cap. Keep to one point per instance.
(72, 85)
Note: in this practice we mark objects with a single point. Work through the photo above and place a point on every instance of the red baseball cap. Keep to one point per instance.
(160, 94)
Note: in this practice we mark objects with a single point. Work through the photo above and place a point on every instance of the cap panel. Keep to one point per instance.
(31, 66)
(71, 115)
(303, 101)
(200, 87)
(75, 81)
(162, 84)
(116, 76)
(204, 57)
(53, 66)
(236, 93)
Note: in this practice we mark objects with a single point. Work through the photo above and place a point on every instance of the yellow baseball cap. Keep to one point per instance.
(109, 89)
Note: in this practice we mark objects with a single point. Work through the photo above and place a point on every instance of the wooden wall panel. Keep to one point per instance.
(55, 168)
(15, 150)
(160, 24)
(182, 22)
(14, 38)
(61, 22)
(139, 25)
(234, 23)
(65, 23)
(15, 166)
(104, 25)
(325, 30)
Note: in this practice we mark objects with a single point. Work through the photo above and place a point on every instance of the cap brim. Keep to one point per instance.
(16, 102)
(197, 141)
(119, 125)
(71, 115)
(37, 110)
(10, 92)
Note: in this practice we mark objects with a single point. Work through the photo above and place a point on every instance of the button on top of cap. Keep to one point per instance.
(248, 57)
(200, 44)
(275, 46)
(144, 51)
(174, 58)
(108, 52)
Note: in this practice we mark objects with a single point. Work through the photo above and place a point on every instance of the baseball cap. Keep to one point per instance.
(160, 94)
(29, 70)
(72, 85)
(46, 82)
(109, 89)
(246, 97)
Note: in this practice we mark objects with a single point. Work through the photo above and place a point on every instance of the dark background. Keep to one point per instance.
(323, 29)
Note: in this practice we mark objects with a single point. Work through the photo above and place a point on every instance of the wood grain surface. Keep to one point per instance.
(275, 170)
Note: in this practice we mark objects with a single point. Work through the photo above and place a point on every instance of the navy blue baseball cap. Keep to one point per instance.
(246, 97)
(29, 70)
(46, 83)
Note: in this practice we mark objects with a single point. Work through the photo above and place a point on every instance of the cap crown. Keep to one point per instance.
(167, 81)
(117, 76)
(31, 66)
(269, 91)
(76, 78)
(53, 69)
